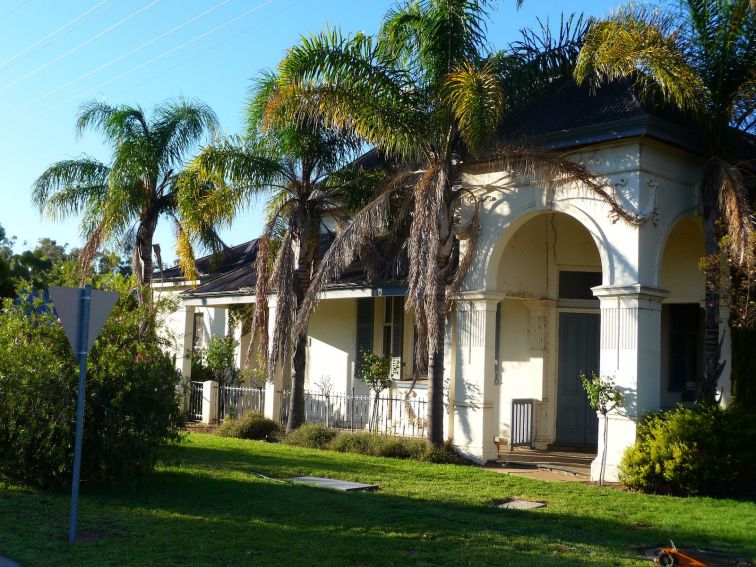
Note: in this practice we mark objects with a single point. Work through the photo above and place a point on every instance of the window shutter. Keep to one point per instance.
(397, 331)
(364, 327)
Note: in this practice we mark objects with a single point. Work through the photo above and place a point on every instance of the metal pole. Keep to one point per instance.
(86, 297)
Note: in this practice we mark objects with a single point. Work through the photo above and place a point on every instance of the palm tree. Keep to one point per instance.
(426, 93)
(303, 173)
(702, 60)
(126, 199)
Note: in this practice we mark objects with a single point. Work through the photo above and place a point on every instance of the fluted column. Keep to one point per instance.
(631, 356)
(475, 393)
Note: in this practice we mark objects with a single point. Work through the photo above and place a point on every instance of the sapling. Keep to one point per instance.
(603, 396)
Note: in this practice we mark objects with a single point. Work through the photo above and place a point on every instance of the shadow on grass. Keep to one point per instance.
(212, 509)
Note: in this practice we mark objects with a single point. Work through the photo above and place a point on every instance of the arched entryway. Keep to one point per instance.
(682, 312)
(548, 327)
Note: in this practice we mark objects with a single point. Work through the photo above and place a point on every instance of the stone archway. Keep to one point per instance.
(548, 326)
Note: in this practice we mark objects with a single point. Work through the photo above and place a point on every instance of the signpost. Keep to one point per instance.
(82, 313)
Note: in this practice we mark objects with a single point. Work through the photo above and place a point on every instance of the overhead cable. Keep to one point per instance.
(153, 60)
(78, 47)
(121, 57)
(20, 55)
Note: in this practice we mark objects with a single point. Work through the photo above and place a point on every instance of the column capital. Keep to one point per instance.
(479, 301)
(631, 291)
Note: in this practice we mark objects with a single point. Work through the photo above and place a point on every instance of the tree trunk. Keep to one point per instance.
(307, 249)
(435, 432)
(713, 365)
(297, 401)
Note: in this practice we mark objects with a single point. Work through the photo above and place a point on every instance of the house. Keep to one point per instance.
(559, 286)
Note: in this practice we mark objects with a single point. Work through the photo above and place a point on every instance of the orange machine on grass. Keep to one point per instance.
(694, 557)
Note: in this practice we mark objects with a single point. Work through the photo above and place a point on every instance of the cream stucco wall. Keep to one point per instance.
(332, 345)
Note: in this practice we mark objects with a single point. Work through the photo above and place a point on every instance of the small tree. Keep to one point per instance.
(603, 396)
(219, 359)
(325, 385)
(376, 371)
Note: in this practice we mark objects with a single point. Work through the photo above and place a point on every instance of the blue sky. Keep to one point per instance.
(56, 54)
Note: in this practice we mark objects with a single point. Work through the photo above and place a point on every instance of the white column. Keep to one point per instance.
(475, 394)
(631, 355)
(273, 387)
(185, 362)
(209, 401)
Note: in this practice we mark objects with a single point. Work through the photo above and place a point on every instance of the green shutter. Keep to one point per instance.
(364, 327)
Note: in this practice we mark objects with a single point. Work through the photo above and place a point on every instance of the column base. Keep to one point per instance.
(621, 435)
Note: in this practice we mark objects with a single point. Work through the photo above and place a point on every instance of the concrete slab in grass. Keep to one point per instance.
(519, 505)
(333, 484)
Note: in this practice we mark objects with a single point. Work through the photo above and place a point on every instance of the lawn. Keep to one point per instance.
(207, 503)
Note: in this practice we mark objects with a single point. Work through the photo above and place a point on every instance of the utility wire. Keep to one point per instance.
(20, 55)
(80, 46)
(12, 10)
(153, 60)
(210, 48)
(119, 58)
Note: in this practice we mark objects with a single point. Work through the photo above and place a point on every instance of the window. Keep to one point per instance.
(685, 349)
(577, 285)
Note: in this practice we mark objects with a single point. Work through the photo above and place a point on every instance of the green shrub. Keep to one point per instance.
(395, 447)
(251, 426)
(702, 450)
(311, 435)
(131, 405)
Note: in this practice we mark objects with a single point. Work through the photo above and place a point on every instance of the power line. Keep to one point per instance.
(214, 46)
(12, 10)
(150, 61)
(20, 55)
(120, 57)
(80, 46)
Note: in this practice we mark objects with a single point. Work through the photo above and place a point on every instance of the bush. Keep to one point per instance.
(251, 426)
(702, 450)
(394, 447)
(311, 435)
(131, 406)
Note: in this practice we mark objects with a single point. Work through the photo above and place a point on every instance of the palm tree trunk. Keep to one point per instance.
(435, 433)
(308, 245)
(712, 344)
(297, 401)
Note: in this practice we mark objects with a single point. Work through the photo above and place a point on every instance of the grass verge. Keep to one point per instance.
(206, 505)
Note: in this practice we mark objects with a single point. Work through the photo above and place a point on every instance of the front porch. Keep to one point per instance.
(571, 462)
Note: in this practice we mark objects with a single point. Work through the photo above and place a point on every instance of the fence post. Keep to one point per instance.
(209, 401)
(351, 419)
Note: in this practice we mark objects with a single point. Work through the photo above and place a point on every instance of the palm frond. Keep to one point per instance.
(345, 249)
(117, 123)
(178, 126)
(644, 44)
(343, 83)
(282, 281)
(477, 101)
(728, 183)
(66, 187)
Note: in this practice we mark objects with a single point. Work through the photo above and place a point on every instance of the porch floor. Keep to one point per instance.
(568, 461)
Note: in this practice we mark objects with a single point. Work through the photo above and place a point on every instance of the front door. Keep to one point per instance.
(577, 423)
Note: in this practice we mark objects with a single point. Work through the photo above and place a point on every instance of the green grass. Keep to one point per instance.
(204, 505)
